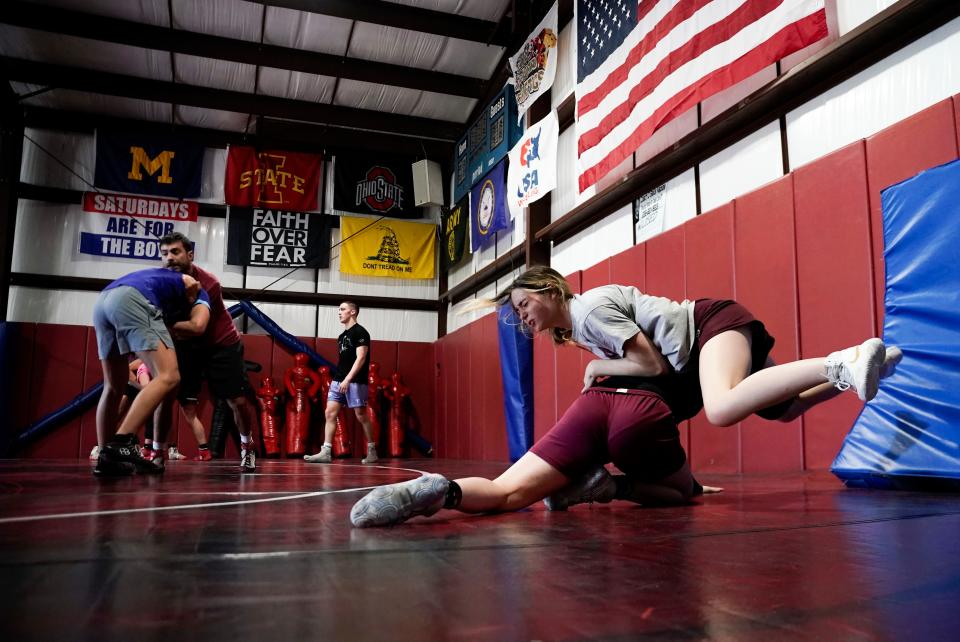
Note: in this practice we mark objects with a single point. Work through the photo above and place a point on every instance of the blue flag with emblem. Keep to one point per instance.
(145, 164)
(488, 207)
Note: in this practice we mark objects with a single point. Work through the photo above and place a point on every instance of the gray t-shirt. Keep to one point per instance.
(606, 317)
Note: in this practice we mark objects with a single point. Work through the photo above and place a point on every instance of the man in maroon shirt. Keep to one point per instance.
(217, 354)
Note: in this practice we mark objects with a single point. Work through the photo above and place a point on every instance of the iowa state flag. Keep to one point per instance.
(384, 247)
(148, 164)
(381, 186)
(488, 207)
(268, 178)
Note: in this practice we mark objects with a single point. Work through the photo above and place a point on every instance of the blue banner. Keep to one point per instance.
(487, 141)
(146, 164)
(488, 207)
(516, 368)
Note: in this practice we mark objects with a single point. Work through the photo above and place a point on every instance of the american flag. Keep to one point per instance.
(640, 65)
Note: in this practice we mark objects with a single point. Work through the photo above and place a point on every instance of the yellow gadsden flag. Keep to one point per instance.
(387, 247)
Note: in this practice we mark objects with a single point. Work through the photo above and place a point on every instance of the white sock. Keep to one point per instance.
(371, 444)
(157, 446)
(246, 439)
(327, 445)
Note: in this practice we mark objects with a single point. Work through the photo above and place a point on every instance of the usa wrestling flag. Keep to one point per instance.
(381, 186)
(641, 66)
(278, 238)
(275, 179)
(144, 164)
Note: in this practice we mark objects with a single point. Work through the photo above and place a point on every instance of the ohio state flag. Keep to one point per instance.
(378, 185)
(269, 178)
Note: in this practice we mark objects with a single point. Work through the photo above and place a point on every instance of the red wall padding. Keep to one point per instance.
(630, 267)
(56, 377)
(665, 276)
(804, 253)
(708, 252)
(765, 271)
(834, 280)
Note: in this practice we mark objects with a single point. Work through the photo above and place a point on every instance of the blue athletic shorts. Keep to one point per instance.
(356, 396)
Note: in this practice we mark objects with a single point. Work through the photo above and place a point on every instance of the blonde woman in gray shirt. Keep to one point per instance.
(640, 335)
(661, 362)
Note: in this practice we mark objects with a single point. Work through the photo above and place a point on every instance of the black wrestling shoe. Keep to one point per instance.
(126, 449)
(594, 486)
(107, 466)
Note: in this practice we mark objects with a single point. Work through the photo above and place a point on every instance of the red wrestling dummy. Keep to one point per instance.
(268, 395)
(397, 393)
(375, 386)
(341, 438)
(302, 385)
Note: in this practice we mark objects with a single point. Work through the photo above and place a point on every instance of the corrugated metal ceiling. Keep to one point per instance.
(353, 41)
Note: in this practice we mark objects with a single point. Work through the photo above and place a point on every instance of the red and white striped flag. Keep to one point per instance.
(641, 66)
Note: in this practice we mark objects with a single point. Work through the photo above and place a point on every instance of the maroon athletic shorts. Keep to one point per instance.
(635, 430)
(713, 316)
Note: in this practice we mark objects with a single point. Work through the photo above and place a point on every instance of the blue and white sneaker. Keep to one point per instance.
(396, 503)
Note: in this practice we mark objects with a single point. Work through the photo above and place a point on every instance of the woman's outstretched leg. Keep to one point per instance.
(731, 393)
(527, 481)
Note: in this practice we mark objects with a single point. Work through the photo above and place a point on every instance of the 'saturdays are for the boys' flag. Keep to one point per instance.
(533, 164)
(129, 227)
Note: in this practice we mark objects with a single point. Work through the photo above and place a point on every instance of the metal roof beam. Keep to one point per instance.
(111, 84)
(391, 14)
(284, 134)
(124, 32)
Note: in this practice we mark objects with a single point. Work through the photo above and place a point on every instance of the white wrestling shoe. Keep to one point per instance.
(857, 367)
(371, 457)
(325, 456)
(894, 356)
(396, 503)
(593, 486)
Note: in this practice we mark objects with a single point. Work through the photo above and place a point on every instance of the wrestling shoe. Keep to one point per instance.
(109, 467)
(174, 454)
(147, 453)
(371, 457)
(857, 367)
(594, 486)
(203, 455)
(248, 460)
(396, 503)
(893, 357)
(126, 448)
(325, 456)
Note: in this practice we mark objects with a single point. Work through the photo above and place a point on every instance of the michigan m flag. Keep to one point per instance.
(386, 247)
(639, 66)
(143, 164)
